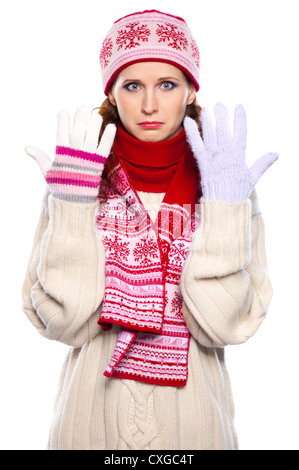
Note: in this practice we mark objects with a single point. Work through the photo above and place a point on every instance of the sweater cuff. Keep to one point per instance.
(72, 218)
(226, 218)
(221, 244)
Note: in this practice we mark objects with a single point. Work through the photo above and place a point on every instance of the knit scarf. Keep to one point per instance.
(144, 260)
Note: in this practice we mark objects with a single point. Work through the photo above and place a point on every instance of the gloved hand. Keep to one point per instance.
(221, 159)
(75, 174)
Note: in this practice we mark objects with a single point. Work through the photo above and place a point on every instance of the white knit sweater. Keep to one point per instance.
(226, 292)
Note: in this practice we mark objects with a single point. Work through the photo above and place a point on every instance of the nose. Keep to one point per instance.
(150, 103)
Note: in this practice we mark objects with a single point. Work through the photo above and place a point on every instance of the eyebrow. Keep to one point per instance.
(168, 78)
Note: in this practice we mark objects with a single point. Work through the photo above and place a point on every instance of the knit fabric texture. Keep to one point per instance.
(143, 269)
(152, 165)
(149, 36)
(226, 293)
(75, 175)
(221, 155)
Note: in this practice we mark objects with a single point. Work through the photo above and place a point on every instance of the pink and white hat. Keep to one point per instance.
(149, 36)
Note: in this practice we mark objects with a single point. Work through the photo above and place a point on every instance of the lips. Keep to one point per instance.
(150, 124)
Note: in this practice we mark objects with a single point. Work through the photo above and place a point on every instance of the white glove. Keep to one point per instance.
(75, 174)
(221, 157)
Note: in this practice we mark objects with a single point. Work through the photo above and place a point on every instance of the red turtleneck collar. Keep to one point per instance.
(150, 165)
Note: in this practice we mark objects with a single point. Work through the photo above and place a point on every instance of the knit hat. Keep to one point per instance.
(149, 36)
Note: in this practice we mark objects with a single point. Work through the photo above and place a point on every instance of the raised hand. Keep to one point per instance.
(221, 157)
(75, 174)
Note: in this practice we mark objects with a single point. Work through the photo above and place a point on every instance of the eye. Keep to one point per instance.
(132, 86)
(167, 85)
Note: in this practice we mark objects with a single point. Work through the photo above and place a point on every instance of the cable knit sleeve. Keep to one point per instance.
(65, 279)
(225, 284)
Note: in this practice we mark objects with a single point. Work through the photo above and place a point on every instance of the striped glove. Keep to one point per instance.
(75, 174)
(221, 157)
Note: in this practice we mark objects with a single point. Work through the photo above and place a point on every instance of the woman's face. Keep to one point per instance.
(151, 99)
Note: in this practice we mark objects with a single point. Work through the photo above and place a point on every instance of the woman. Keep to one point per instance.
(149, 256)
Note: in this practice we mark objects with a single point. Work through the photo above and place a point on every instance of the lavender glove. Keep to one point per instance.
(221, 159)
(75, 174)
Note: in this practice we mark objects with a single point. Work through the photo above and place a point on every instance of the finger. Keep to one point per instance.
(40, 157)
(93, 132)
(107, 140)
(240, 126)
(79, 127)
(208, 129)
(261, 165)
(223, 131)
(193, 135)
(63, 129)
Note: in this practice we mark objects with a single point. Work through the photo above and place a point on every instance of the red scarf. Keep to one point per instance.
(144, 260)
(152, 166)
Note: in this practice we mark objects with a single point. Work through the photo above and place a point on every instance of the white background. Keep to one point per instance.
(49, 61)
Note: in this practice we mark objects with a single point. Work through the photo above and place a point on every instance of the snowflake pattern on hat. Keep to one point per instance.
(175, 37)
(106, 52)
(131, 36)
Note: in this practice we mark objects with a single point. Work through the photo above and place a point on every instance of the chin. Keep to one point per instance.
(155, 135)
(152, 135)
(152, 138)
